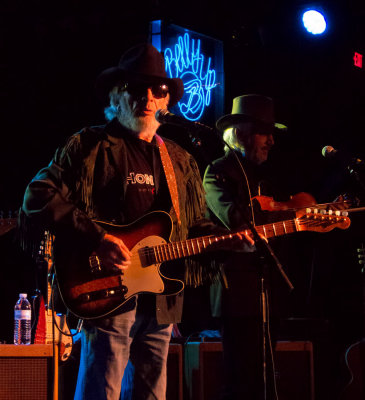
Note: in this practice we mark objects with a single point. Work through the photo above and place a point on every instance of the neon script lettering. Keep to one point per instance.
(186, 62)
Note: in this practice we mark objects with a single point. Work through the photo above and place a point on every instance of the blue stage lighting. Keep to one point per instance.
(314, 22)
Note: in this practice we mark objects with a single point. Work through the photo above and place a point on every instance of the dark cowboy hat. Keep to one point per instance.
(252, 108)
(142, 63)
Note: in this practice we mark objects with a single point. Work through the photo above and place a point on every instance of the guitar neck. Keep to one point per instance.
(190, 247)
(278, 228)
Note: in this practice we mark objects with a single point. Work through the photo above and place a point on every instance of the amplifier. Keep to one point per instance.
(294, 370)
(26, 372)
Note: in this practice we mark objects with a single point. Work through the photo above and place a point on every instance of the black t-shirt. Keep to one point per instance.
(146, 191)
(141, 190)
(146, 184)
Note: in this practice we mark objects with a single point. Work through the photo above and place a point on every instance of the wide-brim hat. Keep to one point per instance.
(251, 108)
(141, 63)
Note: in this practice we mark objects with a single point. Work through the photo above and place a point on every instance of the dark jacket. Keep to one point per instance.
(86, 181)
(229, 182)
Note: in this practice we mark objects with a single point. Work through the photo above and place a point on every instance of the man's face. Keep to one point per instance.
(138, 104)
(257, 145)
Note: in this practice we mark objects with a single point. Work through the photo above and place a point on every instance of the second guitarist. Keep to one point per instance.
(231, 183)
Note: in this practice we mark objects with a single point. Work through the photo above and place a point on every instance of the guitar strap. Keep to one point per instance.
(170, 176)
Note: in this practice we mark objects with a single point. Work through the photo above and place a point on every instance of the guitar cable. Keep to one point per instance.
(35, 297)
(51, 305)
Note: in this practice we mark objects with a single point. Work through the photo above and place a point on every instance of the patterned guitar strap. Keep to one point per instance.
(170, 176)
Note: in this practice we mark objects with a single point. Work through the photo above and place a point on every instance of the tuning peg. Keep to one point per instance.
(345, 213)
(338, 213)
(330, 212)
(323, 212)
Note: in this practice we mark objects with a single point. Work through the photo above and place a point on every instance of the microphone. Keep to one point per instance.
(163, 116)
(331, 153)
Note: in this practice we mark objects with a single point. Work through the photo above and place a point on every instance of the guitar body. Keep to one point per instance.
(51, 327)
(91, 295)
(355, 361)
(63, 339)
(47, 332)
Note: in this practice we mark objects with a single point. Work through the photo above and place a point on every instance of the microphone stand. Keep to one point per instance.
(354, 173)
(265, 251)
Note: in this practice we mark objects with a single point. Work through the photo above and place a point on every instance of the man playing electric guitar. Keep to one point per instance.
(239, 190)
(117, 173)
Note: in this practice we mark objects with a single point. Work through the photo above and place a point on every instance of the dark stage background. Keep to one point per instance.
(51, 53)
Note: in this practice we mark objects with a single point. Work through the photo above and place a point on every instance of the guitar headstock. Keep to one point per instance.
(46, 246)
(322, 220)
(361, 257)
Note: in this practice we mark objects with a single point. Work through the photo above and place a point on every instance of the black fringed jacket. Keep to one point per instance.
(86, 181)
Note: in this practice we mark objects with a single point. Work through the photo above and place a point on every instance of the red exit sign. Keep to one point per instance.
(357, 60)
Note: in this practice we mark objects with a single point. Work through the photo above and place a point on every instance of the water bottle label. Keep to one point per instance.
(23, 314)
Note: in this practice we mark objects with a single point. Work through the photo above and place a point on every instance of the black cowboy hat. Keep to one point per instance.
(252, 108)
(141, 63)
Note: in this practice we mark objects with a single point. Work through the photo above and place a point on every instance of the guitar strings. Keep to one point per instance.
(185, 248)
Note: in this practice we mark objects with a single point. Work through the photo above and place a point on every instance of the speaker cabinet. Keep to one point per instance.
(27, 372)
(294, 370)
(203, 364)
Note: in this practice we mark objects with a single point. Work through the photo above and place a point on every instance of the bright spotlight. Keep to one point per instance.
(314, 22)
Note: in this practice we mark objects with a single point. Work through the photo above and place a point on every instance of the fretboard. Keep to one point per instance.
(190, 247)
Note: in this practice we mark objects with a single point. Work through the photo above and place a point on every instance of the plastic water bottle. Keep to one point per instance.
(22, 320)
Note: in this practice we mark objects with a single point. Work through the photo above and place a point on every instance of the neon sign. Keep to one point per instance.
(187, 62)
(197, 59)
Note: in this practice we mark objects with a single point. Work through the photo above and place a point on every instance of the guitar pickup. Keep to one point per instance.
(119, 291)
(94, 263)
(146, 256)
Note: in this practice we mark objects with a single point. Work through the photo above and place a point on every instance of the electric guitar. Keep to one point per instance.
(355, 353)
(89, 293)
(51, 327)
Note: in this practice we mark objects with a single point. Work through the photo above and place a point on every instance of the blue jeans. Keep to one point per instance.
(107, 345)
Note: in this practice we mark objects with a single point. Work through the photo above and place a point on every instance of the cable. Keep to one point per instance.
(271, 350)
(55, 323)
(233, 151)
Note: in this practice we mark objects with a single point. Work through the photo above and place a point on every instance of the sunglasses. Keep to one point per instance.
(159, 91)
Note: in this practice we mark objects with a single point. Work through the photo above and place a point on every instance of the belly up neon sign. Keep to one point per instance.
(185, 61)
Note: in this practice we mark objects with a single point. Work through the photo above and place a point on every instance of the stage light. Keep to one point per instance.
(314, 22)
